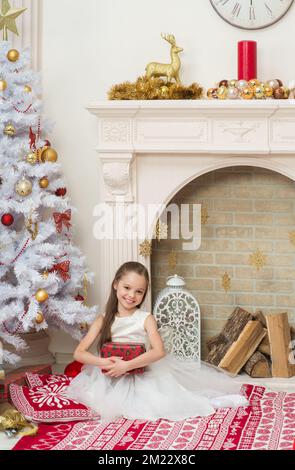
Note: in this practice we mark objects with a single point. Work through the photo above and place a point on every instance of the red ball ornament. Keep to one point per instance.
(7, 220)
(61, 192)
(80, 298)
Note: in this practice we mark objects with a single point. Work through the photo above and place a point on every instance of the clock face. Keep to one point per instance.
(251, 14)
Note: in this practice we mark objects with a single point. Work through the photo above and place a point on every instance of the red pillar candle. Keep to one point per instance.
(247, 60)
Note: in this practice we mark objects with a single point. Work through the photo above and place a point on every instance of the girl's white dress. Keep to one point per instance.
(169, 388)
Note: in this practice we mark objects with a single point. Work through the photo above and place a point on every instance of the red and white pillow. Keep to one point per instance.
(43, 401)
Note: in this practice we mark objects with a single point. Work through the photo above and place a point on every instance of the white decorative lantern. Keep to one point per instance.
(178, 317)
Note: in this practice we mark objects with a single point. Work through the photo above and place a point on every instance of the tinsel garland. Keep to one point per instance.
(154, 89)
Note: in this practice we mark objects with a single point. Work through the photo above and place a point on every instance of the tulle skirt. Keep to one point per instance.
(170, 389)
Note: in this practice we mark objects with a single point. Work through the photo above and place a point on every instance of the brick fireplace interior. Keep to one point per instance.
(244, 209)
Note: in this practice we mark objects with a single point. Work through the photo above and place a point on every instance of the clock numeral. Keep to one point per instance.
(236, 9)
(222, 2)
(268, 9)
(252, 14)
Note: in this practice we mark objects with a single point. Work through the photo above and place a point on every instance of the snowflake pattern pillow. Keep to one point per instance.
(46, 404)
(33, 380)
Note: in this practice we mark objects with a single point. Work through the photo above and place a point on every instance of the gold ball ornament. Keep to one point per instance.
(286, 92)
(9, 130)
(49, 155)
(263, 85)
(23, 187)
(164, 91)
(44, 183)
(31, 158)
(211, 93)
(41, 295)
(3, 85)
(27, 89)
(232, 83)
(254, 82)
(222, 92)
(259, 92)
(247, 93)
(13, 55)
(39, 318)
(268, 91)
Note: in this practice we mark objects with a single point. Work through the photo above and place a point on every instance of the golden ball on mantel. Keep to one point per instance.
(49, 155)
(259, 92)
(247, 93)
(164, 91)
(222, 92)
(232, 83)
(254, 82)
(39, 318)
(286, 92)
(212, 93)
(13, 55)
(268, 91)
(41, 295)
(27, 89)
(3, 84)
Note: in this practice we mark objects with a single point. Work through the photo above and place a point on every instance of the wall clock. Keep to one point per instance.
(251, 14)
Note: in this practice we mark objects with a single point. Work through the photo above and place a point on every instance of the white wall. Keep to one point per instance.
(88, 46)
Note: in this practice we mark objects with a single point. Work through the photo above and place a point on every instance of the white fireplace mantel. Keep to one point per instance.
(202, 126)
(149, 150)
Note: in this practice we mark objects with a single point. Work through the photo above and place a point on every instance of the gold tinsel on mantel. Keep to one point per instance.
(154, 89)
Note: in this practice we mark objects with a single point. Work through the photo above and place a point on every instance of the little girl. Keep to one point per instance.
(169, 388)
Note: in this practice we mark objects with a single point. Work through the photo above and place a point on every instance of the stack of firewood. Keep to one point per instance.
(259, 344)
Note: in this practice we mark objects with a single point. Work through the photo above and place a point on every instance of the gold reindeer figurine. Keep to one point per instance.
(156, 69)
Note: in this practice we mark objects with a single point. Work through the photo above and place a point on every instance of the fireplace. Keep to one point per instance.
(153, 151)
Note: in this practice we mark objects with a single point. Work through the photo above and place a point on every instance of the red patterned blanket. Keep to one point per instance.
(268, 424)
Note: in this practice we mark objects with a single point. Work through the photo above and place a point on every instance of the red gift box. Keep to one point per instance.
(18, 376)
(127, 351)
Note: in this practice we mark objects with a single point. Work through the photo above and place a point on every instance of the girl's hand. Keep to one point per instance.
(107, 362)
(117, 368)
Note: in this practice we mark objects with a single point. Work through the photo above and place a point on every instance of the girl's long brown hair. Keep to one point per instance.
(112, 303)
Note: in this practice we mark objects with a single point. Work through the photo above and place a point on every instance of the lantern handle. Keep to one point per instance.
(178, 279)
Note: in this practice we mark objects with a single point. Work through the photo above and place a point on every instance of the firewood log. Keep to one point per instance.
(230, 333)
(280, 342)
(243, 348)
(261, 317)
(264, 346)
(258, 366)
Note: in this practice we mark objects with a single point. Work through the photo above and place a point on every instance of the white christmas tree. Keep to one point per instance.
(41, 272)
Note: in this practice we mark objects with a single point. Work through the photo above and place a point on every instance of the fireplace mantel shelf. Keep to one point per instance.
(196, 126)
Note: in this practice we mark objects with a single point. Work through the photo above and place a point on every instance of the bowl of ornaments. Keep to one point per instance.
(251, 90)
